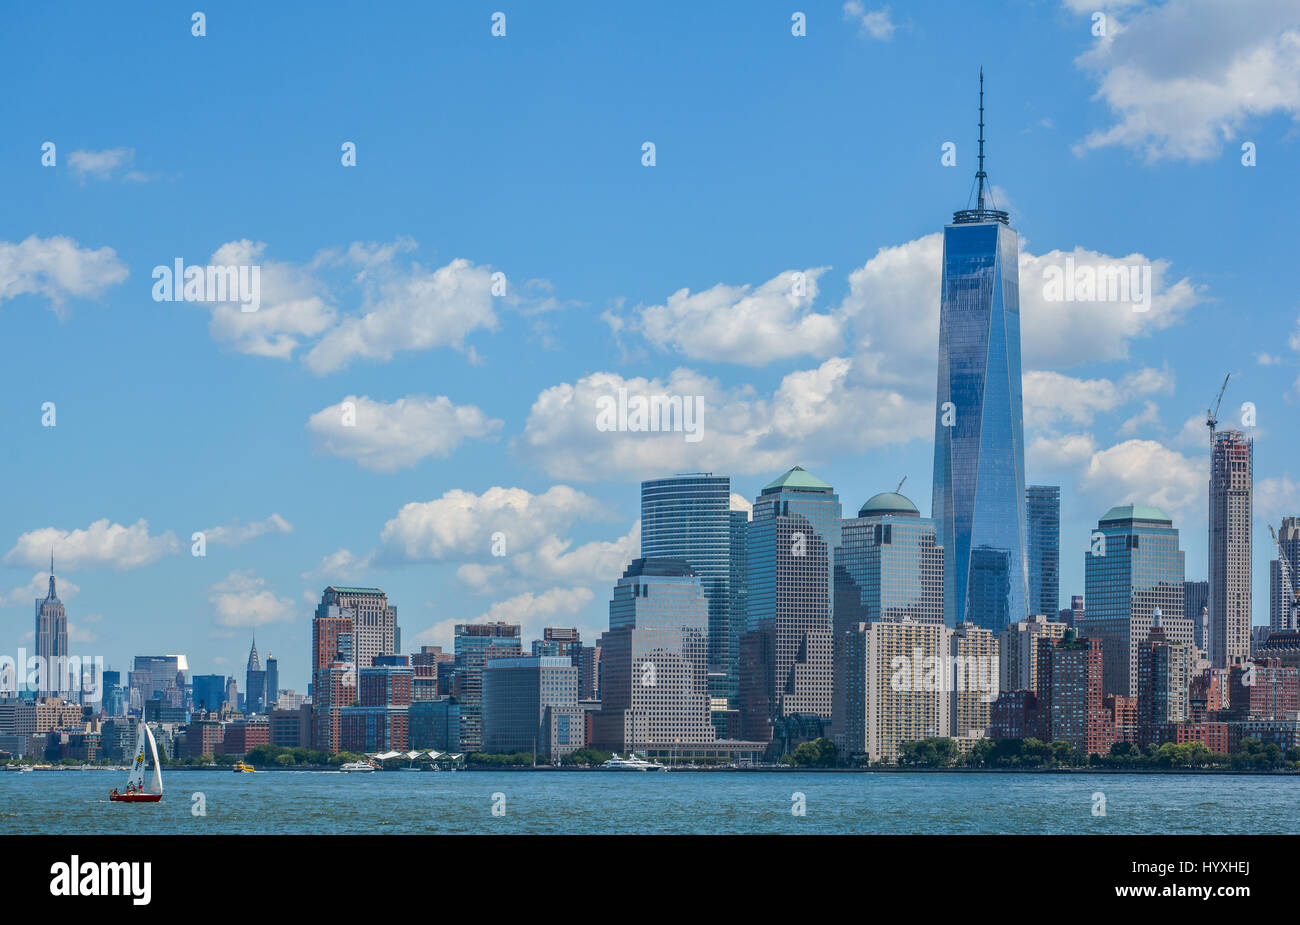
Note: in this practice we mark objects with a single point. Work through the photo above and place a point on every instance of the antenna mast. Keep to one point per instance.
(981, 174)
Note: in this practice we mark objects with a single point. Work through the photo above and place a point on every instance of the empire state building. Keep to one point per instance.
(51, 639)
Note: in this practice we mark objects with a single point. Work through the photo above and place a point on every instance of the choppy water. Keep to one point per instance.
(59, 802)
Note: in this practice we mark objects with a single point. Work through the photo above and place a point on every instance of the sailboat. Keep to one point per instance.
(136, 790)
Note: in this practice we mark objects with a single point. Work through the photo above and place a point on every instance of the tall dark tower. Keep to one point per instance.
(978, 501)
(52, 640)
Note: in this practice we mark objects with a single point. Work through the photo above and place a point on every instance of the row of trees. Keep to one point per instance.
(1034, 753)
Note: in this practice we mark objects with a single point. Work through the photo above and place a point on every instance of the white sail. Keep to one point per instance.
(136, 780)
(155, 785)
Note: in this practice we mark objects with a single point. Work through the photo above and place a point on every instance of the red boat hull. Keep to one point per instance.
(135, 797)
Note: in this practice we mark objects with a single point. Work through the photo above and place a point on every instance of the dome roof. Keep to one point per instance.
(888, 502)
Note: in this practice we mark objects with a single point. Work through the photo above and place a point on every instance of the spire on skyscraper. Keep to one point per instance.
(980, 213)
(253, 663)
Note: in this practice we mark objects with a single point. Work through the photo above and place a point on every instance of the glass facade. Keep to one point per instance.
(689, 517)
(978, 501)
(1043, 547)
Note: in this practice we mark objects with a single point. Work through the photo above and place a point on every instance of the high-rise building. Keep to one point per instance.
(208, 692)
(272, 681)
(1196, 602)
(1232, 466)
(1074, 614)
(689, 517)
(516, 695)
(475, 644)
(334, 679)
(979, 454)
(1018, 651)
(254, 683)
(374, 620)
(972, 679)
(52, 642)
(795, 528)
(1281, 611)
(1164, 678)
(889, 567)
(1069, 701)
(904, 694)
(737, 612)
(1043, 547)
(653, 688)
(1132, 571)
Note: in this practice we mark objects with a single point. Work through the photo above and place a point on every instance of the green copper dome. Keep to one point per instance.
(1136, 512)
(799, 479)
(888, 502)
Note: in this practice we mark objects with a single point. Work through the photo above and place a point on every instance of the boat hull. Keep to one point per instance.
(135, 797)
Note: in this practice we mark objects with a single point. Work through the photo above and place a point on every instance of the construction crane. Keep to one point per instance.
(1212, 417)
(900, 486)
(1290, 595)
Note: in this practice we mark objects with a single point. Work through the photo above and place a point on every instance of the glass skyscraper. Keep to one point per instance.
(689, 517)
(1043, 547)
(979, 457)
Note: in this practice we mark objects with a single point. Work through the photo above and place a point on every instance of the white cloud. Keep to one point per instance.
(102, 165)
(399, 434)
(811, 415)
(101, 545)
(743, 324)
(1051, 451)
(1183, 78)
(460, 524)
(740, 503)
(1147, 417)
(874, 23)
(530, 609)
(38, 587)
(57, 268)
(1276, 498)
(340, 566)
(1145, 472)
(237, 534)
(243, 600)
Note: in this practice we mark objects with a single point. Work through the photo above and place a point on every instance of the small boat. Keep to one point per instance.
(136, 789)
(363, 767)
(241, 768)
(631, 763)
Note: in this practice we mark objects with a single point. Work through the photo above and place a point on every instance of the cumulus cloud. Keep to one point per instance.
(873, 23)
(744, 324)
(532, 610)
(101, 545)
(1183, 78)
(386, 437)
(237, 534)
(1051, 397)
(340, 566)
(402, 305)
(811, 415)
(104, 165)
(1145, 472)
(242, 599)
(58, 269)
(1276, 498)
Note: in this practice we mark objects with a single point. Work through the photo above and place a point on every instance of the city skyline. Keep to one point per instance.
(202, 420)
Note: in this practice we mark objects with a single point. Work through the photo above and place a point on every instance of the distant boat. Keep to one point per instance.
(363, 767)
(136, 790)
(241, 768)
(631, 763)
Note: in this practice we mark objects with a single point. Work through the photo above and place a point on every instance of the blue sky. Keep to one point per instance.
(522, 154)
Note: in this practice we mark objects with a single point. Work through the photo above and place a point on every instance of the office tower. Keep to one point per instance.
(1232, 465)
(1196, 598)
(425, 664)
(1280, 600)
(374, 620)
(1074, 614)
(1069, 701)
(516, 695)
(334, 680)
(378, 723)
(1018, 651)
(52, 642)
(973, 681)
(905, 695)
(589, 673)
(1135, 571)
(563, 641)
(795, 528)
(689, 517)
(1043, 547)
(232, 693)
(1164, 678)
(888, 566)
(272, 681)
(159, 677)
(208, 692)
(434, 724)
(979, 455)
(476, 643)
(114, 699)
(254, 683)
(653, 660)
(737, 612)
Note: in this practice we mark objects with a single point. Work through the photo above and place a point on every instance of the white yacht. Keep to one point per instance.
(363, 767)
(631, 763)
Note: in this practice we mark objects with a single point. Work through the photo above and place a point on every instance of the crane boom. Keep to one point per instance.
(1290, 595)
(1212, 417)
